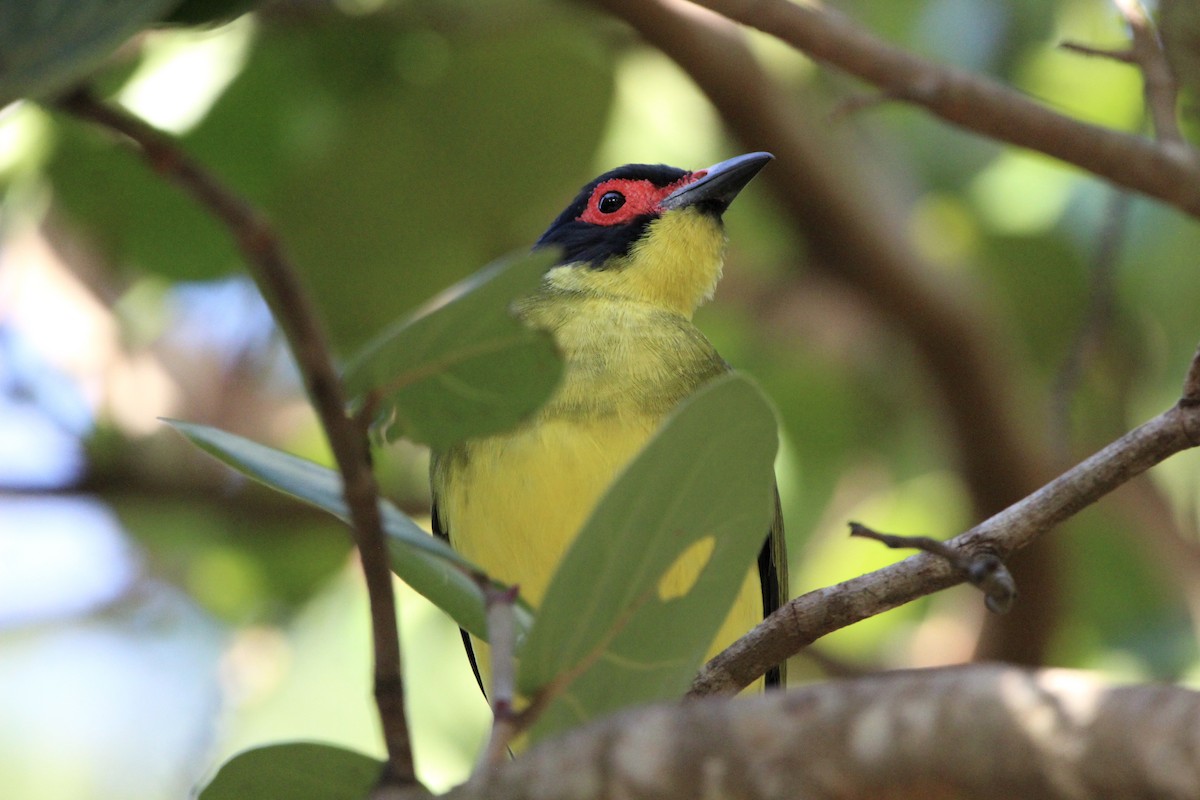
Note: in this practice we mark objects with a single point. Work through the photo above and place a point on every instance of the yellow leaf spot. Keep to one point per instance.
(681, 576)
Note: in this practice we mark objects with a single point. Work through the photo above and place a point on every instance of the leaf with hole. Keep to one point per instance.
(702, 486)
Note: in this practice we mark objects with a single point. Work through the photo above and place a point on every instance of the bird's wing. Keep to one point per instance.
(773, 575)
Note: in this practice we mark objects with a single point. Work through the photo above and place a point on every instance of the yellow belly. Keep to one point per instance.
(515, 502)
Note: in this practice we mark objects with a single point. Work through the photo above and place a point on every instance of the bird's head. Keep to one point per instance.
(650, 233)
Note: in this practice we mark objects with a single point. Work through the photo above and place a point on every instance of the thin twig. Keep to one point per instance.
(502, 635)
(805, 619)
(279, 283)
(1123, 54)
(1158, 81)
(982, 570)
(1159, 87)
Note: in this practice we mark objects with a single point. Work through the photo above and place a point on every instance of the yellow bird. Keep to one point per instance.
(642, 247)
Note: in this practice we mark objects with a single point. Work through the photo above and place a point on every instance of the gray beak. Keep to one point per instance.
(719, 186)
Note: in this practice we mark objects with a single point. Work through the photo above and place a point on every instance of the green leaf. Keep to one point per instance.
(422, 561)
(707, 473)
(464, 365)
(154, 226)
(294, 771)
(49, 44)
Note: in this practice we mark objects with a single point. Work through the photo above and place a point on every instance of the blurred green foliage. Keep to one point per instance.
(371, 166)
(399, 146)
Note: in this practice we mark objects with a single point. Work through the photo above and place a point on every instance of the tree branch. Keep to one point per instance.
(975, 103)
(805, 619)
(984, 732)
(984, 571)
(1159, 86)
(280, 285)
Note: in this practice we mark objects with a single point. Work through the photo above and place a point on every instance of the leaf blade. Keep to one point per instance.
(423, 561)
(707, 474)
(463, 365)
(294, 771)
(50, 43)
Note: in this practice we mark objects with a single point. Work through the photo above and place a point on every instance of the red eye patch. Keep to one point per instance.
(620, 200)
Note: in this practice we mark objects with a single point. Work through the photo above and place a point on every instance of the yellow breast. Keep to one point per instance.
(516, 502)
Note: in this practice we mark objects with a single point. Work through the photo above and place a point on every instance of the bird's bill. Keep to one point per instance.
(719, 184)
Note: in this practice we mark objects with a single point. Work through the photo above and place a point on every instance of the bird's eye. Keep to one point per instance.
(610, 202)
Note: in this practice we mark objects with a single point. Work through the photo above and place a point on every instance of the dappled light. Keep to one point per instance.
(942, 322)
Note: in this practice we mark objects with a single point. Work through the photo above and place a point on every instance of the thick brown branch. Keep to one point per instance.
(976, 103)
(981, 732)
(810, 616)
(280, 285)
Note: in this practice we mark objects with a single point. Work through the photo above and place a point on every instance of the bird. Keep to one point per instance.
(640, 248)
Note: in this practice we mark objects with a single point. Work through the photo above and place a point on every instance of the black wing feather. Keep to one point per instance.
(773, 575)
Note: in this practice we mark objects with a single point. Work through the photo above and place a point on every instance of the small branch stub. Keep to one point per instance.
(985, 571)
(507, 724)
(1122, 54)
(1145, 52)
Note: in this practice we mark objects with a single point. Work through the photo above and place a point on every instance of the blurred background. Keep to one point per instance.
(158, 613)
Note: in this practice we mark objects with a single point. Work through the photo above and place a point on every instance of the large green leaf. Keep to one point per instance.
(464, 365)
(154, 225)
(707, 474)
(455, 132)
(294, 771)
(422, 561)
(48, 44)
